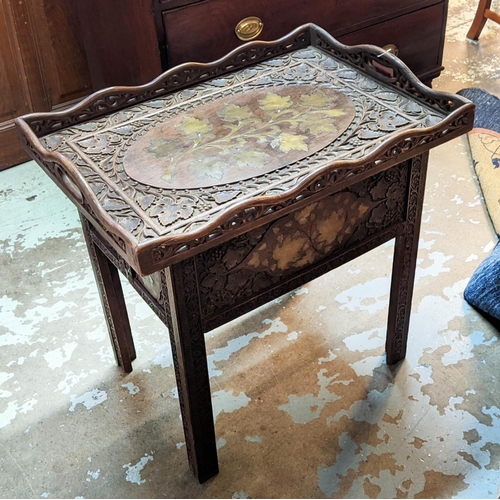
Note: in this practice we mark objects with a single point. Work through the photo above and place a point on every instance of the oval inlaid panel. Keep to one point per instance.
(239, 137)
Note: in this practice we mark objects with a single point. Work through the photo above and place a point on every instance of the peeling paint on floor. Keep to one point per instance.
(133, 474)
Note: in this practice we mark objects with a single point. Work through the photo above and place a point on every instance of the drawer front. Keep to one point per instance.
(419, 38)
(293, 246)
(205, 31)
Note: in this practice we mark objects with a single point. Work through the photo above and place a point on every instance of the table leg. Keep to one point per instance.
(191, 369)
(404, 265)
(113, 302)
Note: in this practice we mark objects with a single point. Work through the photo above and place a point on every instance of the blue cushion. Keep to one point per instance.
(483, 289)
(487, 108)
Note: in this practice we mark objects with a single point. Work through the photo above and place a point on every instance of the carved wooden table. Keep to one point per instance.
(217, 188)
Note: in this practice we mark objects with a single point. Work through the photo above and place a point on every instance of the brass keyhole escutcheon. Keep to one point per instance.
(249, 28)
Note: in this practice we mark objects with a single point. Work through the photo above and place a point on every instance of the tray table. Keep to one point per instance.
(219, 187)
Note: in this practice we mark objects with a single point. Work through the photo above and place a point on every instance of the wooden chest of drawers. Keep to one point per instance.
(203, 30)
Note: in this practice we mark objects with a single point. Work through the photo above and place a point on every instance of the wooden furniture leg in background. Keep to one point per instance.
(113, 302)
(483, 13)
(191, 369)
(404, 265)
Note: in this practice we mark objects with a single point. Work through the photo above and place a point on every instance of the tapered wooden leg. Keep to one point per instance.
(191, 370)
(113, 302)
(479, 20)
(404, 265)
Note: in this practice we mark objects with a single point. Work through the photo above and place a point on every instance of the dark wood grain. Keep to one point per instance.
(42, 65)
(404, 264)
(120, 41)
(12, 75)
(14, 95)
(113, 302)
(61, 51)
(423, 56)
(204, 31)
(191, 369)
(128, 40)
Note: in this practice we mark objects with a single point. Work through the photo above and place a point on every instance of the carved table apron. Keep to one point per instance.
(217, 188)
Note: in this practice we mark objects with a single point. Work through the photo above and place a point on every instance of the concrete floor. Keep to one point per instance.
(305, 405)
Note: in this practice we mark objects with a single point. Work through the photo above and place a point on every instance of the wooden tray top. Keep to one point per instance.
(206, 150)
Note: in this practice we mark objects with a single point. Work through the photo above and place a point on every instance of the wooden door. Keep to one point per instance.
(42, 65)
(14, 96)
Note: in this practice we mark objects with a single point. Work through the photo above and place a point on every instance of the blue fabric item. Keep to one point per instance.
(483, 289)
(487, 108)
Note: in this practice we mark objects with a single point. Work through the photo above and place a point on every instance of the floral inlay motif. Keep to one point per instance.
(239, 137)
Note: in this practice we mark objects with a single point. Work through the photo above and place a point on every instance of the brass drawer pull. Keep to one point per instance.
(391, 48)
(249, 28)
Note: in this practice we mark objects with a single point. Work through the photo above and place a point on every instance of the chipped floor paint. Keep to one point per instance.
(304, 403)
(133, 474)
(89, 399)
